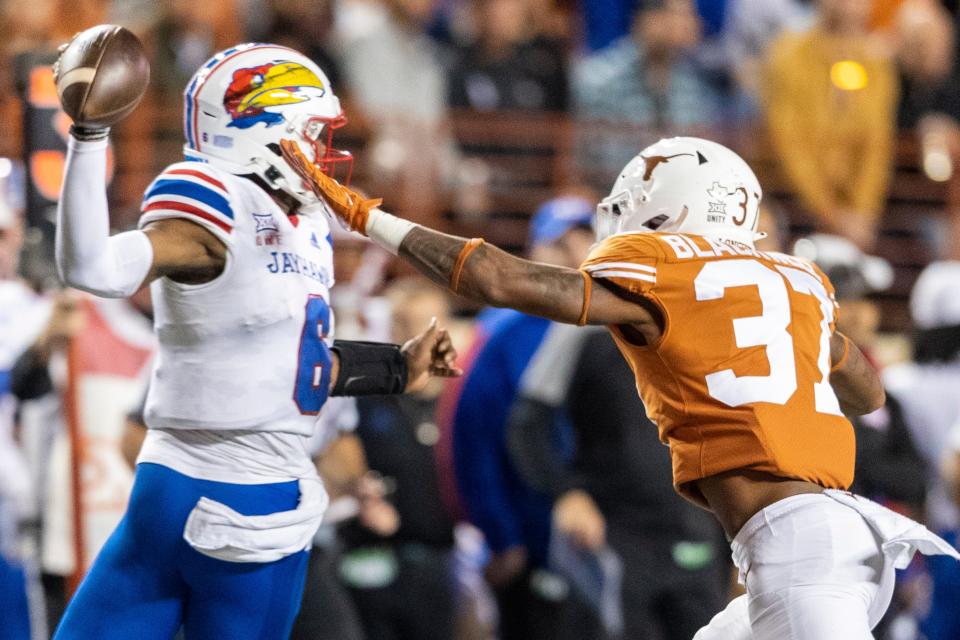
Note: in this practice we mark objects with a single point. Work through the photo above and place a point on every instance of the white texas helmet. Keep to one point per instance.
(242, 101)
(684, 185)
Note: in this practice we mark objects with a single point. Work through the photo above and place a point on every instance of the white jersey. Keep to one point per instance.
(248, 351)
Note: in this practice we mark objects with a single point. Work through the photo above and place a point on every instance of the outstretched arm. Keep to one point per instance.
(487, 274)
(495, 277)
(854, 380)
(474, 269)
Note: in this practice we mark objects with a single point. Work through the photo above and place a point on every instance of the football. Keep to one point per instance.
(101, 75)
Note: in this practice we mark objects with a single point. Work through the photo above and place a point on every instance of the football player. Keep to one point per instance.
(738, 362)
(238, 255)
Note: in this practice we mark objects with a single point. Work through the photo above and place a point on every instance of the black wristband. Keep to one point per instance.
(89, 134)
(369, 369)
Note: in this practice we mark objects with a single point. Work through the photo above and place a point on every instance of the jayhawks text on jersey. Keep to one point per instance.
(248, 350)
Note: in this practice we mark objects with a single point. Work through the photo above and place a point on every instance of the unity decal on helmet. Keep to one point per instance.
(718, 193)
(253, 90)
(719, 196)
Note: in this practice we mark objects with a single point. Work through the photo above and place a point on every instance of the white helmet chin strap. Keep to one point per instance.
(277, 180)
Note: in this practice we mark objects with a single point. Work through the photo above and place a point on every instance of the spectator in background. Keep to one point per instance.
(830, 100)
(41, 425)
(515, 519)
(951, 466)
(391, 65)
(710, 56)
(30, 33)
(506, 66)
(925, 49)
(327, 611)
(617, 490)
(646, 79)
(750, 27)
(927, 391)
(951, 475)
(42, 25)
(21, 319)
(401, 580)
(187, 33)
(927, 56)
(110, 340)
(890, 466)
(394, 76)
(304, 26)
(606, 21)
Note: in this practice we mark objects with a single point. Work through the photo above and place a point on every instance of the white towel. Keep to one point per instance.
(216, 530)
(900, 538)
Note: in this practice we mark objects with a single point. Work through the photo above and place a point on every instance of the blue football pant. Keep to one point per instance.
(147, 580)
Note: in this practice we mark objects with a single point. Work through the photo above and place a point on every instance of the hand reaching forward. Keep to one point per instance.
(430, 353)
(352, 209)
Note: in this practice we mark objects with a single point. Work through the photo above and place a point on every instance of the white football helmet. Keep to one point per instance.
(684, 185)
(242, 101)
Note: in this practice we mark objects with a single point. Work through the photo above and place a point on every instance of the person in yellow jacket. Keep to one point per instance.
(830, 105)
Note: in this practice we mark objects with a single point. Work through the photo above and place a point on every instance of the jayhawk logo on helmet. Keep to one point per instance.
(253, 90)
(235, 99)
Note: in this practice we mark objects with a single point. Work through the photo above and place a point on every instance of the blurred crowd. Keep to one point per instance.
(826, 84)
(531, 498)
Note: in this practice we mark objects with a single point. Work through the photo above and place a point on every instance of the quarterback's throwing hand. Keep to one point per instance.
(430, 353)
(349, 205)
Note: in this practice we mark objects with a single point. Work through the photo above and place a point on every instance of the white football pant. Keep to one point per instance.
(818, 567)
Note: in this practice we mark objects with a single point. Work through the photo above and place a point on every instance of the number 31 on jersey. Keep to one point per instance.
(770, 331)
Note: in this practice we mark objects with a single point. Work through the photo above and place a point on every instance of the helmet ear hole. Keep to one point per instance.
(273, 146)
(656, 222)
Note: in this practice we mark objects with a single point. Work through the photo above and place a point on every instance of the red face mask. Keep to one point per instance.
(336, 163)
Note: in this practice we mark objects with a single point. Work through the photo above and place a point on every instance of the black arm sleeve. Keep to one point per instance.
(369, 368)
(29, 378)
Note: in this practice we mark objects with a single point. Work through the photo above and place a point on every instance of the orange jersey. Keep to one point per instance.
(740, 377)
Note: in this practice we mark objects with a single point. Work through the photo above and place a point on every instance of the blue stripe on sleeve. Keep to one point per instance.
(190, 190)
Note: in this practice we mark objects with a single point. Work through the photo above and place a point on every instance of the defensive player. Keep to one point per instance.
(737, 361)
(238, 256)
